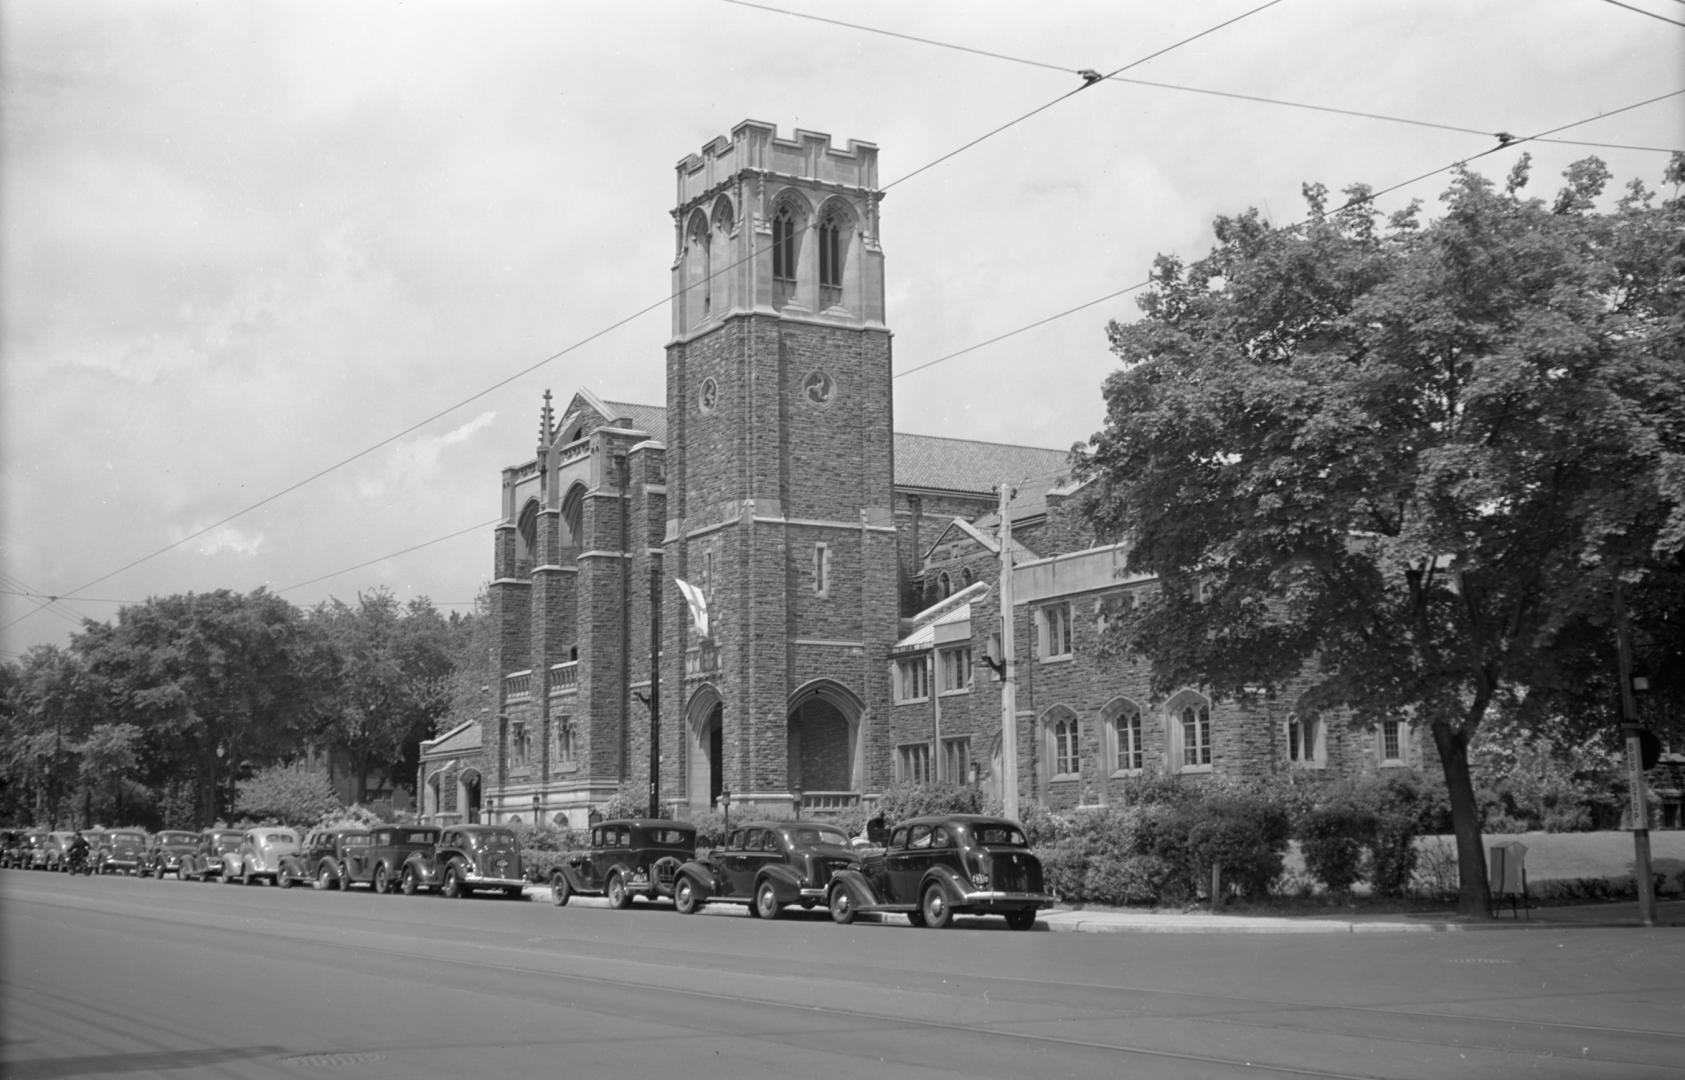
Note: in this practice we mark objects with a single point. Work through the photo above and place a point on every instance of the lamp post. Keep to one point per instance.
(725, 805)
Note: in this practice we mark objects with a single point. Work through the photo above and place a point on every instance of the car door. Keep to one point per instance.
(589, 864)
(905, 865)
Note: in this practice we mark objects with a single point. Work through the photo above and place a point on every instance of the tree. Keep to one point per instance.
(53, 702)
(1411, 461)
(294, 794)
(386, 669)
(211, 678)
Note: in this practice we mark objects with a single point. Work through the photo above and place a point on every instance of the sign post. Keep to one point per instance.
(1637, 809)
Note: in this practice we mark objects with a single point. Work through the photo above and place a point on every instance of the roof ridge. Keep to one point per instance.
(985, 442)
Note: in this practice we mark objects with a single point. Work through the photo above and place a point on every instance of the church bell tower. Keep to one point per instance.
(779, 470)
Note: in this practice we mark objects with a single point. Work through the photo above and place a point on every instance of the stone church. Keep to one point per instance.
(845, 574)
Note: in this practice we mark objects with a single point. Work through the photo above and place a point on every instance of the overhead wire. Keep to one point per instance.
(662, 302)
(1641, 11)
(1179, 87)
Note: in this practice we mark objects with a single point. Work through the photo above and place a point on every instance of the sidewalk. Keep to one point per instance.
(1117, 921)
(1061, 920)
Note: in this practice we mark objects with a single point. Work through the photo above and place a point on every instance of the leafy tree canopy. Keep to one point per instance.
(1420, 455)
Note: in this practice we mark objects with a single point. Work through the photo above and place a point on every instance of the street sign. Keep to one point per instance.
(1637, 813)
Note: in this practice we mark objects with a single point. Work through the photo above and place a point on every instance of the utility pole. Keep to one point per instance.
(1009, 679)
(1638, 807)
(654, 685)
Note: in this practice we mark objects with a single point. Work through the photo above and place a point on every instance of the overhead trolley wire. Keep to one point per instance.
(664, 301)
(1182, 88)
(1641, 11)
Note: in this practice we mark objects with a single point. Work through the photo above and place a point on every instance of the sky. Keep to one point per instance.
(282, 284)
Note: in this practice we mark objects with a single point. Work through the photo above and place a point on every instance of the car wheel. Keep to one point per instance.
(406, 884)
(452, 885)
(1021, 920)
(382, 879)
(937, 914)
(246, 875)
(618, 898)
(560, 889)
(842, 906)
(325, 879)
(766, 901)
(283, 879)
(684, 895)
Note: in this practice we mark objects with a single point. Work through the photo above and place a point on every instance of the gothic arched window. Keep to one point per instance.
(784, 231)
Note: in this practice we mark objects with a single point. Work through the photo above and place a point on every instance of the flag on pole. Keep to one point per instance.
(698, 605)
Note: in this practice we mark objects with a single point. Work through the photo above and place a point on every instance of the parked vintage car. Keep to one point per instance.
(322, 858)
(57, 845)
(34, 852)
(937, 867)
(118, 851)
(766, 865)
(206, 861)
(11, 847)
(390, 846)
(466, 858)
(259, 855)
(624, 859)
(165, 852)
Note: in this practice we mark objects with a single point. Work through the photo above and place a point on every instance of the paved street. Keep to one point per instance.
(137, 978)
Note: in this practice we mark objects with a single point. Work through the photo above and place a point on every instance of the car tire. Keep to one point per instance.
(325, 879)
(382, 880)
(560, 889)
(618, 898)
(246, 875)
(684, 895)
(766, 901)
(934, 907)
(1021, 920)
(406, 883)
(283, 879)
(842, 906)
(451, 886)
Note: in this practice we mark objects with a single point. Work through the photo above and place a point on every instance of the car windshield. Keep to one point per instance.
(228, 843)
(176, 838)
(277, 838)
(998, 835)
(818, 834)
(128, 838)
(418, 838)
(495, 838)
(357, 841)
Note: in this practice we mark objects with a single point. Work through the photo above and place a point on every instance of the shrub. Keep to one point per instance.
(539, 865)
(903, 801)
(1041, 825)
(631, 801)
(291, 794)
(1245, 834)
(1332, 840)
(535, 838)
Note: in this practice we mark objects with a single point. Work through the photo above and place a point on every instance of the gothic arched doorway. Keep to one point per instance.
(823, 753)
(468, 796)
(705, 760)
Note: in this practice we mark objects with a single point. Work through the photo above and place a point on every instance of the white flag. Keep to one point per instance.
(698, 605)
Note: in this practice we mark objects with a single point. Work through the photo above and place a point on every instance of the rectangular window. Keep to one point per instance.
(1066, 759)
(821, 570)
(954, 670)
(1195, 722)
(1128, 753)
(1053, 631)
(912, 680)
(1392, 742)
(956, 760)
(1305, 746)
(912, 763)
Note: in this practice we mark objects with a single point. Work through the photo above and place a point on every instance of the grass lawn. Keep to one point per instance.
(1572, 856)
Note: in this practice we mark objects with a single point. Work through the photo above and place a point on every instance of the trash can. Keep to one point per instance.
(1506, 877)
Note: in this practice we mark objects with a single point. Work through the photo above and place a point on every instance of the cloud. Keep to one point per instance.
(229, 539)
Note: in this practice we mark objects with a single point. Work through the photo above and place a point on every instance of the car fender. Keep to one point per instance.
(569, 869)
(949, 880)
(785, 885)
(423, 866)
(859, 887)
(291, 866)
(703, 875)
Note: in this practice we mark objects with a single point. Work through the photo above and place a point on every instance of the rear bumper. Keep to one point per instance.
(474, 881)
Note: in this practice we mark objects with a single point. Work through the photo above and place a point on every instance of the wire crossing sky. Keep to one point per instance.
(327, 223)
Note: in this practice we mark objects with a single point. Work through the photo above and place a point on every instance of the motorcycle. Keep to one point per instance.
(77, 863)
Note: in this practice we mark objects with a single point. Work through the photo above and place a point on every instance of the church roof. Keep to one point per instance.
(967, 465)
(931, 462)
